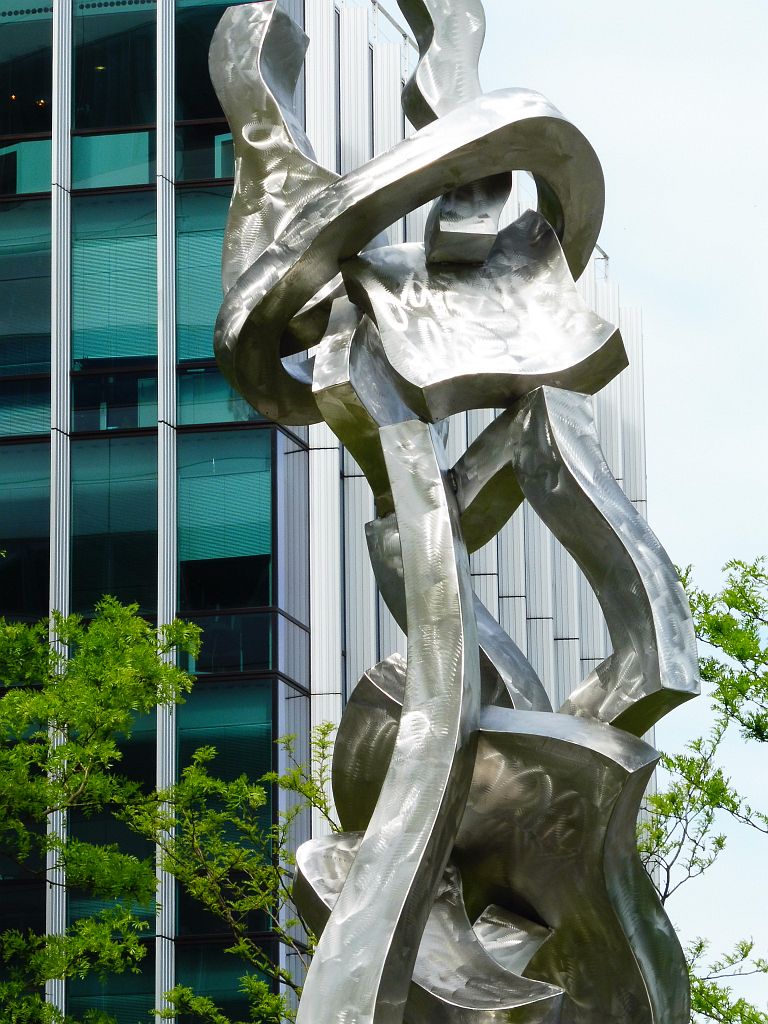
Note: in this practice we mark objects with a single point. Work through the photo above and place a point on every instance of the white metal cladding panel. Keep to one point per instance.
(633, 408)
(320, 77)
(565, 592)
(295, 9)
(355, 88)
(595, 642)
(513, 620)
(511, 542)
(477, 421)
(607, 406)
(487, 589)
(292, 489)
(568, 670)
(387, 111)
(325, 567)
(456, 444)
(485, 561)
(391, 637)
(541, 652)
(566, 622)
(166, 523)
(538, 591)
(360, 602)
(293, 720)
(538, 566)
(326, 707)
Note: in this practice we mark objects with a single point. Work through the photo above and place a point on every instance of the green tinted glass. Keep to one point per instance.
(225, 519)
(200, 218)
(211, 972)
(25, 407)
(25, 70)
(104, 161)
(114, 521)
(128, 998)
(25, 167)
(204, 396)
(25, 287)
(114, 279)
(24, 529)
(114, 65)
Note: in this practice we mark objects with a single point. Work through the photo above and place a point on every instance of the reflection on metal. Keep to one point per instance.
(487, 872)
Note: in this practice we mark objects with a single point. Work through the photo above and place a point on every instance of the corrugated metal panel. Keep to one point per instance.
(355, 88)
(387, 112)
(511, 542)
(391, 637)
(292, 498)
(456, 444)
(513, 619)
(566, 622)
(487, 589)
(320, 75)
(325, 578)
(633, 410)
(538, 591)
(595, 642)
(360, 604)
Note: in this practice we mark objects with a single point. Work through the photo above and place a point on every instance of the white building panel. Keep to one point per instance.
(361, 630)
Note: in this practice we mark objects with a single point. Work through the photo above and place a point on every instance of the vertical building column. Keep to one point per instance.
(325, 551)
(166, 457)
(326, 581)
(61, 350)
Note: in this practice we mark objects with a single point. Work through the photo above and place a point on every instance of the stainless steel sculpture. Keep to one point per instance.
(487, 871)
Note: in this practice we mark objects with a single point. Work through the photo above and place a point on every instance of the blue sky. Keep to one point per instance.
(673, 97)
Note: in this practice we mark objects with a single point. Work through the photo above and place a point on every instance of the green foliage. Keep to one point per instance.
(734, 623)
(231, 855)
(682, 834)
(62, 721)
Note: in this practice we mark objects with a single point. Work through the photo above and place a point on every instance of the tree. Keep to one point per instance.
(682, 835)
(62, 723)
(237, 862)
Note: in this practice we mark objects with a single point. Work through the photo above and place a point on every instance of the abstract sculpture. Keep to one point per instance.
(487, 871)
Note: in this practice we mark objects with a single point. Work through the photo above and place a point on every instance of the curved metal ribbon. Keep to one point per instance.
(367, 952)
(462, 225)
(511, 128)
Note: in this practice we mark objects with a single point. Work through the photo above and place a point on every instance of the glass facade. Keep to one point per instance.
(129, 387)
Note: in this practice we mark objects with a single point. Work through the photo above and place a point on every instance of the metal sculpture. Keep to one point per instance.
(487, 871)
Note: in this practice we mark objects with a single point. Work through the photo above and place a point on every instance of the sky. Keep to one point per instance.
(673, 97)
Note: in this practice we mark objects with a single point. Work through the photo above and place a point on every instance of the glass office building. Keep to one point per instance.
(128, 466)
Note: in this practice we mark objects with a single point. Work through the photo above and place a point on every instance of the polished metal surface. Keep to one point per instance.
(463, 223)
(487, 872)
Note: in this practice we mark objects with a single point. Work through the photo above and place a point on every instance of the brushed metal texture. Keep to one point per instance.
(488, 871)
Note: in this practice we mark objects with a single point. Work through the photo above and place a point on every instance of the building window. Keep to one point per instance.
(25, 287)
(114, 279)
(25, 101)
(114, 521)
(126, 997)
(24, 530)
(114, 96)
(235, 718)
(200, 218)
(114, 311)
(225, 520)
(204, 150)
